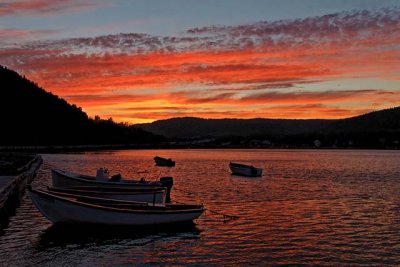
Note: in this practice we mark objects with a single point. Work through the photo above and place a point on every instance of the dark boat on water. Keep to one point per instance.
(245, 170)
(164, 162)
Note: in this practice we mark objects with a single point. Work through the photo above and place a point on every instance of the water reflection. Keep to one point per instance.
(67, 234)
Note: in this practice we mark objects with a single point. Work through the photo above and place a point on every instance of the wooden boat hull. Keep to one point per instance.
(63, 210)
(151, 196)
(243, 170)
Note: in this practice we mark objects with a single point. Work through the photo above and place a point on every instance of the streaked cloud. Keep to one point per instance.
(42, 7)
(227, 70)
(12, 37)
(296, 97)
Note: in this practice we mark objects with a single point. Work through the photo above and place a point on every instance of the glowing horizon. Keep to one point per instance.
(326, 66)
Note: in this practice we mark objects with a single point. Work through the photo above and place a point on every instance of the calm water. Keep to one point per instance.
(310, 208)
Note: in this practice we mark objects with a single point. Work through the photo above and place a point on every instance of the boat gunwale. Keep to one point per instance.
(109, 202)
(47, 195)
(125, 183)
(77, 191)
(117, 189)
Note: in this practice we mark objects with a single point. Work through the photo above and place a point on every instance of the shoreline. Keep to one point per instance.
(59, 149)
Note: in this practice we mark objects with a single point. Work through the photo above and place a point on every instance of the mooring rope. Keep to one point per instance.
(225, 216)
(187, 192)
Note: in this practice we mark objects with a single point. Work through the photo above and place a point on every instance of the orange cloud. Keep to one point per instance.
(224, 70)
(68, 74)
(140, 108)
(279, 98)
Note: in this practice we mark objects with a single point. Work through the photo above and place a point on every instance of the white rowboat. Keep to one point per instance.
(62, 179)
(75, 209)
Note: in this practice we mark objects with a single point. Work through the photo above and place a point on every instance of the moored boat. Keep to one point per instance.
(164, 162)
(80, 209)
(245, 170)
(152, 195)
(61, 178)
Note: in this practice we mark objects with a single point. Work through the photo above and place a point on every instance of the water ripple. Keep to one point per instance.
(324, 208)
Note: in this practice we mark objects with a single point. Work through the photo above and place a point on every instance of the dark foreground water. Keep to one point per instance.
(332, 208)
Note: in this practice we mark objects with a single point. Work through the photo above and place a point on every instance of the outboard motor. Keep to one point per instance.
(167, 182)
(116, 178)
(102, 174)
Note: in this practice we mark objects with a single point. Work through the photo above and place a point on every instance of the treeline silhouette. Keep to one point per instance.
(379, 129)
(32, 116)
(191, 127)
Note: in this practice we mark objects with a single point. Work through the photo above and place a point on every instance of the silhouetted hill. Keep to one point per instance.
(386, 120)
(192, 127)
(375, 130)
(378, 129)
(32, 116)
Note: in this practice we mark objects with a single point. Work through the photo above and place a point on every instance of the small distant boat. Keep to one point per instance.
(151, 195)
(164, 162)
(72, 209)
(62, 179)
(245, 170)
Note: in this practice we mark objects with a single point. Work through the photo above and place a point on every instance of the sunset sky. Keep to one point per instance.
(144, 60)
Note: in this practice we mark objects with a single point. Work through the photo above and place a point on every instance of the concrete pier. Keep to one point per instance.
(12, 187)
